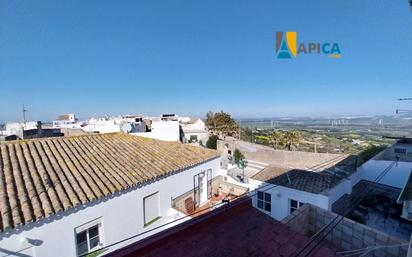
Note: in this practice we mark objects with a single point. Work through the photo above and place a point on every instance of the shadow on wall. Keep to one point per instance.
(20, 253)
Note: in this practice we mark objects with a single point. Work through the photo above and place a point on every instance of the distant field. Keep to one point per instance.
(334, 135)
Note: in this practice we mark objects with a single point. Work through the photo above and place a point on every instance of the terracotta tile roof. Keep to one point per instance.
(42, 177)
(270, 172)
(239, 231)
(63, 117)
(308, 181)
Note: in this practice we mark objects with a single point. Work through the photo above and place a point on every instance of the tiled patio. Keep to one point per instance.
(221, 190)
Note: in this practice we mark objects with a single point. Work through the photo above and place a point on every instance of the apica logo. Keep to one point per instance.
(287, 47)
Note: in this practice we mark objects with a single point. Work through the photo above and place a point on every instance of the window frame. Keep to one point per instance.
(263, 202)
(293, 208)
(86, 228)
(150, 222)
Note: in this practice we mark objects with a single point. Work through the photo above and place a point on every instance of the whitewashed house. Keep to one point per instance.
(17, 128)
(162, 128)
(65, 121)
(69, 196)
(194, 130)
(281, 191)
(288, 189)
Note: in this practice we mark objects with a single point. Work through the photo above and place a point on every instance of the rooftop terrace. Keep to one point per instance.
(238, 230)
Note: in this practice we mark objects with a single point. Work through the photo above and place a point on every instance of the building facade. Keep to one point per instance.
(68, 201)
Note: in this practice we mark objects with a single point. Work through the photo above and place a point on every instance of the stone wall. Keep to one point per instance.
(280, 158)
(347, 235)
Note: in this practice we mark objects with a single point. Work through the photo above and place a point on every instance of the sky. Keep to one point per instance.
(98, 57)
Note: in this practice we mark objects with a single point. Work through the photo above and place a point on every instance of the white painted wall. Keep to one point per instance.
(342, 188)
(163, 130)
(121, 215)
(281, 196)
(201, 136)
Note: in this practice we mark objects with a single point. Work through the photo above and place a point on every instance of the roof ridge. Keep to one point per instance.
(57, 138)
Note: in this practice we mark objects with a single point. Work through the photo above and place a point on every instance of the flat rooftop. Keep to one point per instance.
(401, 151)
(240, 231)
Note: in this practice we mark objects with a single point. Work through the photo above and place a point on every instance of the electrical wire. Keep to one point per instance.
(339, 218)
(247, 196)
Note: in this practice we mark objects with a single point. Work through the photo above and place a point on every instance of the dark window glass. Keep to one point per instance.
(294, 203)
(268, 197)
(260, 204)
(94, 231)
(81, 237)
(292, 210)
(81, 240)
(300, 204)
(260, 195)
(94, 242)
(267, 206)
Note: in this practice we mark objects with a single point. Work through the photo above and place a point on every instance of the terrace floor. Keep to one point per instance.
(212, 203)
(391, 226)
(375, 205)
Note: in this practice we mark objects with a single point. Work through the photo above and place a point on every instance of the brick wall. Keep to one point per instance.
(280, 158)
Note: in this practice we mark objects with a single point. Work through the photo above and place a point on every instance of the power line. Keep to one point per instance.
(247, 196)
(339, 218)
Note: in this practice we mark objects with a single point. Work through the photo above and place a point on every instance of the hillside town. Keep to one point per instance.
(205, 128)
(108, 185)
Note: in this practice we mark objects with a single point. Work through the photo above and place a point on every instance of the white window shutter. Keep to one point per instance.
(151, 207)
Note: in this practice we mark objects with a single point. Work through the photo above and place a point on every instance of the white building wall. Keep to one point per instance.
(163, 130)
(342, 188)
(280, 199)
(121, 215)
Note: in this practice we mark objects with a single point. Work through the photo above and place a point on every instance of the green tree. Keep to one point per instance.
(211, 143)
(221, 123)
(238, 156)
(291, 139)
(369, 152)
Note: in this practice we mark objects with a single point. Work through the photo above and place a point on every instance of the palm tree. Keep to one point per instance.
(291, 139)
(275, 139)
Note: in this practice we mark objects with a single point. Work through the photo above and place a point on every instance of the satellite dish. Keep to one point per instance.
(127, 127)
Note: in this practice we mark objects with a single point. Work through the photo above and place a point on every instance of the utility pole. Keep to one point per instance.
(24, 116)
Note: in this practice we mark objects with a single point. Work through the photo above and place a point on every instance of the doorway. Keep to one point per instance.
(202, 185)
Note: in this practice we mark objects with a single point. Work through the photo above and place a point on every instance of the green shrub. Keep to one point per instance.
(212, 142)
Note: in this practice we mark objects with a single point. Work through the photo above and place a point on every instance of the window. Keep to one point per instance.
(88, 238)
(400, 150)
(151, 208)
(193, 138)
(264, 201)
(294, 205)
